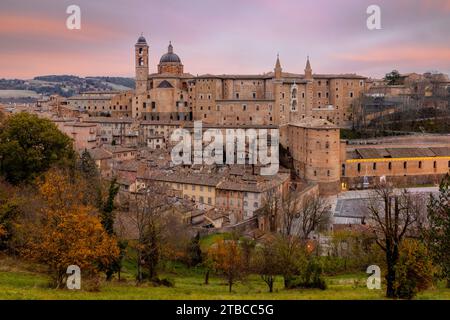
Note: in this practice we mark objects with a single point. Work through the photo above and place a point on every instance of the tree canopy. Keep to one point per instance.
(30, 145)
(392, 78)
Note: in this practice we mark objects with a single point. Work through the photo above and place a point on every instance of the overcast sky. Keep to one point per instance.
(224, 36)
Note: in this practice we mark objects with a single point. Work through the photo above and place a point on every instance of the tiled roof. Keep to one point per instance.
(378, 153)
(310, 122)
(190, 178)
(99, 154)
(108, 119)
(117, 149)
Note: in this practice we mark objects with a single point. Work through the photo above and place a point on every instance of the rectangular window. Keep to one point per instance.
(374, 166)
(420, 164)
(390, 166)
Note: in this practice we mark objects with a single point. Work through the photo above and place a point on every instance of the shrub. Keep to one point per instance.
(311, 277)
(414, 270)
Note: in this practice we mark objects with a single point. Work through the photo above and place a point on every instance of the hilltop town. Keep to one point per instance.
(128, 134)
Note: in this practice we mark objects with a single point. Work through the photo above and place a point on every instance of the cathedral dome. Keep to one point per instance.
(170, 56)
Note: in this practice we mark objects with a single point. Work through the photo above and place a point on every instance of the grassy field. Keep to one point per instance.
(25, 281)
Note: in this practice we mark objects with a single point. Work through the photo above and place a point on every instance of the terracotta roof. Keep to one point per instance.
(310, 122)
(99, 154)
(108, 119)
(256, 184)
(130, 165)
(377, 153)
(190, 178)
(117, 149)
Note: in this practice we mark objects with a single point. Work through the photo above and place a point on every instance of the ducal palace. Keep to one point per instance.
(308, 109)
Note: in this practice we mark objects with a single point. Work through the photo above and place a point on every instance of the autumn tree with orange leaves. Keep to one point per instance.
(227, 259)
(66, 231)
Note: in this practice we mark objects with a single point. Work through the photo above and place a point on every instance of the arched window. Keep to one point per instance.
(294, 105)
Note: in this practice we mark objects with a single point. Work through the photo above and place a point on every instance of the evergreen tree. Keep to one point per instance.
(195, 252)
(107, 215)
(87, 165)
(392, 78)
(29, 146)
(107, 219)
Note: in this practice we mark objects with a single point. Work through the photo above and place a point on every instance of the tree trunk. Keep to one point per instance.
(207, 277)
(287, 281)
(230, 284)
(109, 274)
(270, 284)
(139, 268)
(391, 259)
(448, 283)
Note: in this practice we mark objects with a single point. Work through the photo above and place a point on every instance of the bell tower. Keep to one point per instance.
(141, 61)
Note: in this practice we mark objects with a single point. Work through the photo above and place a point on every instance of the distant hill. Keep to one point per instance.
(64, 85)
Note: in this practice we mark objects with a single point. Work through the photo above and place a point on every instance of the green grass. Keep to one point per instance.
(207, 241)
(18, 281)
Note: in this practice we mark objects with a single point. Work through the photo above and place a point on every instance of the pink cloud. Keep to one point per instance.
(402, 53)
(34, 26)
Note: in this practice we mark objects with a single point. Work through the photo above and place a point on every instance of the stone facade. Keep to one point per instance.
(271, 98)
(315, 147)
(364, 167)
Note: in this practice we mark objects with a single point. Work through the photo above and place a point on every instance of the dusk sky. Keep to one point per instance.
(226, 36)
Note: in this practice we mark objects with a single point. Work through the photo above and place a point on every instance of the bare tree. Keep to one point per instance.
(271, 208)
(393, 215)
(300, 216)
(295, 217)
(314, 215)
(145, 214)
(289, 213)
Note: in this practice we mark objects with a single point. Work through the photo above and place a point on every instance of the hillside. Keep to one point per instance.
(16, 90)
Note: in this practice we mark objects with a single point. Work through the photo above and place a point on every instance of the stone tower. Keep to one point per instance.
(278, 69)
(141, 60)
(308, 70)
